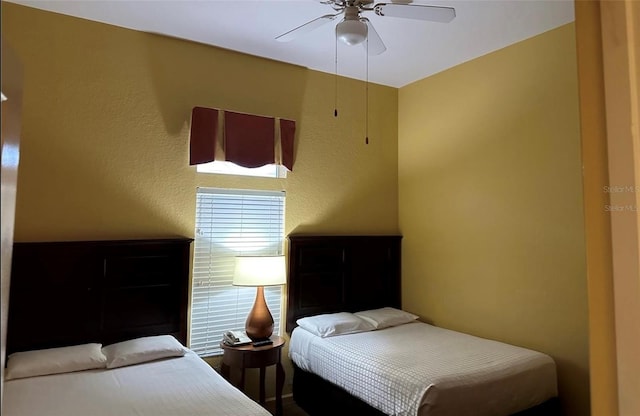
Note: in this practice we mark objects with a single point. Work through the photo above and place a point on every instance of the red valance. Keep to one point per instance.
(204, 127)
(244, 139)
(287, 133)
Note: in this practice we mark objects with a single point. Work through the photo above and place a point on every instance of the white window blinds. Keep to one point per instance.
(230, 223)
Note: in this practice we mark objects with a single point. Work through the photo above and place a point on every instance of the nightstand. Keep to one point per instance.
(248, 356)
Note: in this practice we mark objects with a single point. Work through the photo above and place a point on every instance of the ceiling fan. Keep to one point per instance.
(355, 29)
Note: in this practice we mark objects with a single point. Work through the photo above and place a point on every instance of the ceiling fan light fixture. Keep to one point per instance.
(351, 32)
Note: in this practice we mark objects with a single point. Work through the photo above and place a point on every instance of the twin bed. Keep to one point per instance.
(413, 368)
(174, 385)
(354, 351)
(106, 322)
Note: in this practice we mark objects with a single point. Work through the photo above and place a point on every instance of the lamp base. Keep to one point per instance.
(259, 325)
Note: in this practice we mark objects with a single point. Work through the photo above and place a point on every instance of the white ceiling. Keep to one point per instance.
(415, 49)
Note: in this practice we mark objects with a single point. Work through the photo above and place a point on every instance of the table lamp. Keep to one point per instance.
(259, 271)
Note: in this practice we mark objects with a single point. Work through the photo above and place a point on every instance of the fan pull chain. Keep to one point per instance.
(366, 138)
(335, 107)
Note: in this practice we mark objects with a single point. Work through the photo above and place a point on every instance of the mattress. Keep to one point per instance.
(170, 387)
(419, 369)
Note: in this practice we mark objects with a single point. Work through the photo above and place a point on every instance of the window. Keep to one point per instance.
(230, 223)
(230, 168)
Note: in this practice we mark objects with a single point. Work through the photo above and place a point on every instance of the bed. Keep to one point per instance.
(409, 368)
(99, 328)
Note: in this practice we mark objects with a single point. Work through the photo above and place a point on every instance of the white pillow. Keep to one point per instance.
(386, 317)
(332, 324)
(55, 361)
(140, 350)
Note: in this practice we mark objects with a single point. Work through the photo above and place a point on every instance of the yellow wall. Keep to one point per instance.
(105, 137)
(105, 134)
(491, 208)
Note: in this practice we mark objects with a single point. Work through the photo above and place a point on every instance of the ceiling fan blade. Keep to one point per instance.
(374, 44)
(306, 28)
(415, 11)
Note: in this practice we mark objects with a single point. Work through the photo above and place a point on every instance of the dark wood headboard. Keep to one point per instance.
(342, 273)
(67, 293)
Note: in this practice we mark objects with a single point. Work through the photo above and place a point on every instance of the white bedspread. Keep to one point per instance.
(184, 386)
(420, 369)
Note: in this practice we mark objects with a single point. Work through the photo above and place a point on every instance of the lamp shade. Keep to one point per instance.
(259, 271)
